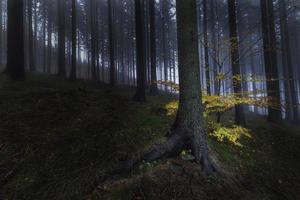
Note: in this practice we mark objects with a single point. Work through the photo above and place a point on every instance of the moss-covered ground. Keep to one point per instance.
(59, 138)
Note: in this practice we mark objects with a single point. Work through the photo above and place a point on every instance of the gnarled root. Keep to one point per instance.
(173, 145)
(176, 142)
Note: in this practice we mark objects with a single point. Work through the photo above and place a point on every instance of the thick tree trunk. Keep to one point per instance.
(15, 40)
(190, 121)
(61, 39)
(74, 41)
(153, 86)
(189, 128)
(235, 61)
(270, 58)
(140, 52)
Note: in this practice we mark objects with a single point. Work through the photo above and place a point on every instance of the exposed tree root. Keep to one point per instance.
(175, 143)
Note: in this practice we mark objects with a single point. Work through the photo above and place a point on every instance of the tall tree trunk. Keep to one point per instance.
(111, 44)
(1, 29)
(61, 39)
(74, 41)
(79, 66)
(35, 36)
(140, 52)
(189, 128)
(253, 76)
(290, 89)
(153, 86)
(270, 58)
(49, 36)
(164, 32)
(15, 40)
(93, 39)
(44, 37)
(214, 45)
(206, 56)
(190, 121)
(30, 38)
(235, 61)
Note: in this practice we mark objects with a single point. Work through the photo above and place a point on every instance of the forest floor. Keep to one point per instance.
(59, 140)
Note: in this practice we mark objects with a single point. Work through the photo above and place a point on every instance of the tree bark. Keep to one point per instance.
(35, 36)
(153, 86)
(140, 52)
(30, 37)
(290, 89)
(111, 44)
(235, 61)
(44, 37)
(93, 38)
(61, 39)
(49, 37)
(74, 41)
(190, 121)
(15, 40)
(206, 56)
(214, 44)
(270, 58)
(164, 32)
(189, 128)
(1, 29)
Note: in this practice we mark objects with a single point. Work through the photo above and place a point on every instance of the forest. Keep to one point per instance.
(150, 99)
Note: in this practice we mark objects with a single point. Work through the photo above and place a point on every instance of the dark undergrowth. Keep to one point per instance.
(58, 137)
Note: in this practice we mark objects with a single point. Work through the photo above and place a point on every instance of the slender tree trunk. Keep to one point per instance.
(15, 40)
(164, 12)
(1, 30)
(140, 54)
(153, 87)
(206, 56)
(30, 38)
(111, 44)
(79, 66)
(93, 39)
(214, 44)
(35, 36)
(235, 61)
(49, 37)
(74, 41)
(253, 76)
(61, 39)
(290, 89)
(270, 58)
(44, 37)
(97, 41)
